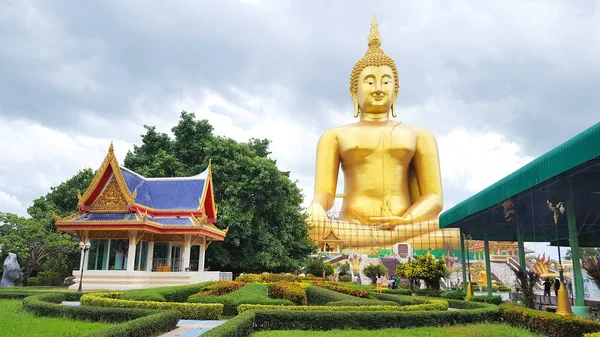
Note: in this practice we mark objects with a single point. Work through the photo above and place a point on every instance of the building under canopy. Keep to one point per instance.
(555, 198)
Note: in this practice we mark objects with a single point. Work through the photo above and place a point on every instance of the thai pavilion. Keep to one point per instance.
(143, 232)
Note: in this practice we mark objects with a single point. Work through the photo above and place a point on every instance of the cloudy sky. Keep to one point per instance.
(498, 82)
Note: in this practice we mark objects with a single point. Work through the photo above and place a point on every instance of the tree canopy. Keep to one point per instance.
(258, 202)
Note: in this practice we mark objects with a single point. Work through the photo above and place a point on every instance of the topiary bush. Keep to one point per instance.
(345, 278)
(494, 299)
(457, 294)
(178, 294)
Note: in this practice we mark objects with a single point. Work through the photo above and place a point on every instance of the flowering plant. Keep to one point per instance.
(288, 291)
(344, 289)
(221, 288)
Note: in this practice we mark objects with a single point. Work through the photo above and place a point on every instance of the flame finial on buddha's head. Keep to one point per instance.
(375, 56)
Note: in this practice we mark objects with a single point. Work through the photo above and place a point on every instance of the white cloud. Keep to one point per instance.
(37, 157)
(10, 204)
(474, 160)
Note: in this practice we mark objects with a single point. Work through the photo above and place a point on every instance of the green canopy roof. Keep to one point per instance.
(580, 151)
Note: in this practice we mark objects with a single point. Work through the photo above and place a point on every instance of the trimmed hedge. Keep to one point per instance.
(322, 296)
(497, 300)
(133, 322)
(433, 304)
(328, 320)
(166, 294)
(399, 291)
(595, 334)
(187, 310)
(344, 289)
(241, 325)
(428, 292)
(547, 323)
(457, 294)
(219, 289)
(253, 293)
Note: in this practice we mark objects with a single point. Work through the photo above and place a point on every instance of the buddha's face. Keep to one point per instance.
(375, 91)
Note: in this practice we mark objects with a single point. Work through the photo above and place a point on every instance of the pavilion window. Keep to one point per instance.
(141, 256)
(98, 255)
(118, 254)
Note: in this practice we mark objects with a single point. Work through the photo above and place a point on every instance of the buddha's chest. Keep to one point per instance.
(376, 143)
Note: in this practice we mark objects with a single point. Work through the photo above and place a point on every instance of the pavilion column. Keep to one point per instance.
(488, 268)
(576, 270)
(187, 250)
(463, 257)
(150, 255)
(131, 251)
(521, 246)
(201, 255)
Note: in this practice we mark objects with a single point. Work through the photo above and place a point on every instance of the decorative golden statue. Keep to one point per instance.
(392, 181)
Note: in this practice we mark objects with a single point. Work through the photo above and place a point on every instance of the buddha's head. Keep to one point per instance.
(374, 82)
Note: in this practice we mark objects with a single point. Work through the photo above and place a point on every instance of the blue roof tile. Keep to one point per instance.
(106, 217)
(172, 221)
(165, 193)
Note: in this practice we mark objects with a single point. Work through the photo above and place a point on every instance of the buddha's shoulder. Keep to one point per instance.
(417, 130)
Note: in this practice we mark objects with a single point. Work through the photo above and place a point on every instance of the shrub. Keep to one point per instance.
(240, 326)
(133, 322)
(321, 296)
(48, 278)
(497, 300)
(424, 267)
(250, 294)
(187, 310)
(344, 270)
(165, 294)
(458, 294)
(220, 288)
(34, 282)
(434, 305)
(353, 291)
(503, 288)
(526, 282)
(267, 278)
(345, 278)
(595, 334)
(328, 320)
(428, 292)
(546, 323)
(399, 291)
(288, 291)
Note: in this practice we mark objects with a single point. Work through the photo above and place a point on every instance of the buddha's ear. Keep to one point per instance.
(356, 110)
(393, 107)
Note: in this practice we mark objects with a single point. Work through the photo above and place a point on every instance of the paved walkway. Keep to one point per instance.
(192, 328)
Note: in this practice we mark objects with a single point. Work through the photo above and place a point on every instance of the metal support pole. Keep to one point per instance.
(488, 268)
(574, 240)
(521, 246)
(464, 261)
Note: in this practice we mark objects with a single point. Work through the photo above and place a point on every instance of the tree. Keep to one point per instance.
(424, 267)
(373, 270)
(32, 241)
(258, 202)
(316, 267)
(584, 253)
(592, 267)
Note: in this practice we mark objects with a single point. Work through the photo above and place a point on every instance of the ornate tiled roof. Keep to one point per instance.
(166, 193)
(178, 221)
(106, 217)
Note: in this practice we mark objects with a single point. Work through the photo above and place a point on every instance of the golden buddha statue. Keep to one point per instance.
(392, 181)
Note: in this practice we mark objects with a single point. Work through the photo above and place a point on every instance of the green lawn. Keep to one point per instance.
(473, 330)
(14, 321)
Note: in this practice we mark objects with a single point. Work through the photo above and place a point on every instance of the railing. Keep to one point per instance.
(225, 276)
(167, 265)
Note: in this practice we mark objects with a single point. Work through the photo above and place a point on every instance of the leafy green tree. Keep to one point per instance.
(584, 253)
(424, 267)
(373, 270)
(316, 267)
(32, 241)
(258, 202)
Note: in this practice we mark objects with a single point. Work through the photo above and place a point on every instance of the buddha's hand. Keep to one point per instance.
(390, 222)
(317, 215)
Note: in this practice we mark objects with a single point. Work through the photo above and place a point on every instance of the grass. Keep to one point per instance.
(14, 321)
(472, 330)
